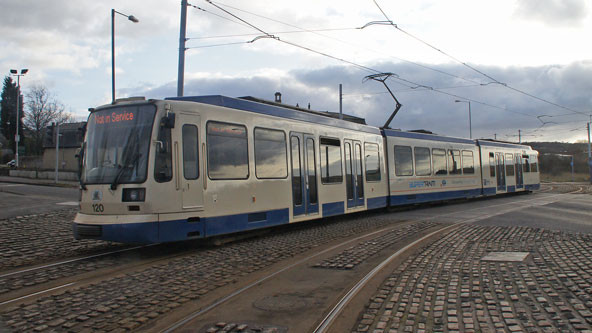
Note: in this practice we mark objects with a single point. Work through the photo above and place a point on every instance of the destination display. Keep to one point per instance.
(118, 116)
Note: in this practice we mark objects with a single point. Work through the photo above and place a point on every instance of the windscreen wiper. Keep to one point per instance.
(121, 168)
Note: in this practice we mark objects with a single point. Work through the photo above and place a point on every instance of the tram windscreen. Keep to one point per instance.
(117, 145)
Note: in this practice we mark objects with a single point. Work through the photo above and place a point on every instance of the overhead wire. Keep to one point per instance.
(276, 32)
(405, 82)
(348, 43)
(475, 69)
(411, 86)
(218, 4)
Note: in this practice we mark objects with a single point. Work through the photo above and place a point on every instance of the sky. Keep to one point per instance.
(524, 65)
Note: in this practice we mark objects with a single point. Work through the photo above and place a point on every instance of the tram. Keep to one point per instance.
(154, 171)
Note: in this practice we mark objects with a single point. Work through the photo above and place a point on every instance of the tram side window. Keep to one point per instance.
(525, 163)
(491, 165)
(533, 164)
(454, 162)
(403, 161)
(190, 152)
(423, 164)
(163, 165)
(509, 164)
(468, 164)
(228, 156)
(270, 154)
(331, 172)
(439, 161)
(372, 161)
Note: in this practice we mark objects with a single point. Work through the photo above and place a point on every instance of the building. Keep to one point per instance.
(71, 138)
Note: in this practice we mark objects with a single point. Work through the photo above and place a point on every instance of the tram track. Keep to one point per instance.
(193, 319)
(235, 287)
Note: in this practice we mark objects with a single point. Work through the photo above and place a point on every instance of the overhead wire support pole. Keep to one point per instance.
(182, 48)
(382, 77)
(590, 150)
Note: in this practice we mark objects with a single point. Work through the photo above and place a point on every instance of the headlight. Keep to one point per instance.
(134, 194)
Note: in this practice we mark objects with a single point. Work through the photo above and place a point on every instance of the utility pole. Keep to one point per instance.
(589, 151)
(519, 137)
(182, 40)
(57, 151)
(340, 102)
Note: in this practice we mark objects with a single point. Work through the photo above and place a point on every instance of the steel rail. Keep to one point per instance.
(73, 260)
(226, 298)
(336, 310)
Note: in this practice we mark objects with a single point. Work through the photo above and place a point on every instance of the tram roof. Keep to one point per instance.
(502, 144)
(278, 111)
(426, 136)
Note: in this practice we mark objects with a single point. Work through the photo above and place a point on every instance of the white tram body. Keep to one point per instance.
(193, 167)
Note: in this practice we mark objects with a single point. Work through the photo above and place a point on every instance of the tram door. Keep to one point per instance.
(500, 171)
(304, 174)
(519, 175)
(188, 152)
(353, 173)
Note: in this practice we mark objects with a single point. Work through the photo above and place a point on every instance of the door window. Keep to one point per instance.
(190, 152)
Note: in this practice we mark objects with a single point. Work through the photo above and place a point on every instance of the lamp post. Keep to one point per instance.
(470, 126)
(17, 138)
(131, 18)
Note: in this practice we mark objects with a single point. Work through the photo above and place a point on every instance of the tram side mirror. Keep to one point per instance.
(168, 121)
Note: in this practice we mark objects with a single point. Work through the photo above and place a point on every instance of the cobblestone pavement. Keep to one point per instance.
(566, 188)
(447, 286)
(33, 239)
(131, 300)
(354, 255)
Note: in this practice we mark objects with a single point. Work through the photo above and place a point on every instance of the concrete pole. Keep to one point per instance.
(340, 102)
(57, 159)
(470, 123)
(17, 138)
(589, 152)
(182, 40)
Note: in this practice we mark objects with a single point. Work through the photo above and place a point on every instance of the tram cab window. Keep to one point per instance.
(270, 154)
(163, 166)
(533, 164)
(331, 171)
(509, 164)
(468, 164)
(525, 163)
(423, 163)
(439, 161)
(403, 161)
(454, 162)
(228, 156)
(491, 165)
(372, 161)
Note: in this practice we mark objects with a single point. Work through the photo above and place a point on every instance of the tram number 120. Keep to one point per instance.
(98, 208)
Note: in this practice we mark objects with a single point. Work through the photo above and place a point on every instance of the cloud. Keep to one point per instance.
(495, 108)
(553, 12)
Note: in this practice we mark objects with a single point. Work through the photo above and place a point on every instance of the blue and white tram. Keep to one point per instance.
(193, 167)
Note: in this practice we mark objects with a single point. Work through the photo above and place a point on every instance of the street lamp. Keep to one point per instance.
(131, 18)
(17, 138)
(470, 126)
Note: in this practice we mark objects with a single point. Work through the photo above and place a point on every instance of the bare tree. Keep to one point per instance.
(42, 108)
